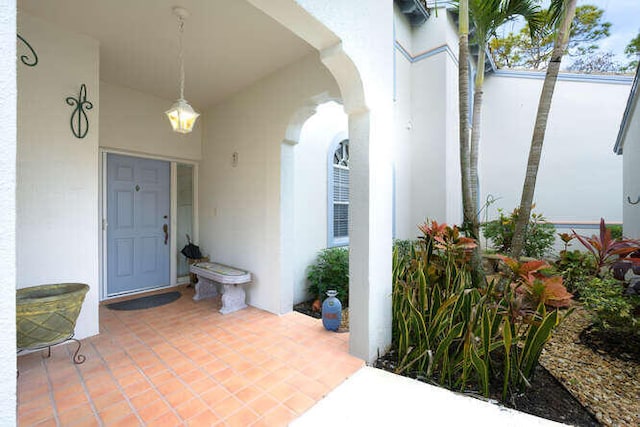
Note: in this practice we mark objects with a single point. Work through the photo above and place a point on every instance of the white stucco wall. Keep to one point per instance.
(240, 206)
(57, 179)
(426, 108)
(579, 177)
(310, 189)
(403, 127)
(631, 181)
(8, 99)
(135, 122)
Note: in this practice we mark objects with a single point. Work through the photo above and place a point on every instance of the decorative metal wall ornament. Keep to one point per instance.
(79, 121)
(27, 59)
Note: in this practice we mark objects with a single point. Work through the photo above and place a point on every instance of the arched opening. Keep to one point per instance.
(370, 177)
(306, 187)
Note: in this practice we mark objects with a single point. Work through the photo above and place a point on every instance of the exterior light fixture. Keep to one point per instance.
(181, 115)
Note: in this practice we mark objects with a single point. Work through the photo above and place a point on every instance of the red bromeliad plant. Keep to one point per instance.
(448, 240)
(538, 287)
(606, 249)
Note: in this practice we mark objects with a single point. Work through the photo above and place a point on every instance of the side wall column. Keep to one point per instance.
(370, 237)
(8, 116)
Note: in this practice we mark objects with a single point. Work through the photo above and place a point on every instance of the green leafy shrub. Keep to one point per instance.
(330, 271)
(538, 240)
(460, 336)
(615, 230)
(575, 268)
(613, 310)
(404, 247)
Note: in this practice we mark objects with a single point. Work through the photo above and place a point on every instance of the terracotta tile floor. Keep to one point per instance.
(186, 364)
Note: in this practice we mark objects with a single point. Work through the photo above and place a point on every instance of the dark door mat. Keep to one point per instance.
(146, 302)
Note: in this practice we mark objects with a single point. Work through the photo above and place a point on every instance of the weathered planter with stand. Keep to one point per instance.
(46, 315)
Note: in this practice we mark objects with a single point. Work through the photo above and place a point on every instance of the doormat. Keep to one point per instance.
(145, 302)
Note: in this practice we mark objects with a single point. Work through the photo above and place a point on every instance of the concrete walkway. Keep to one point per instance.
(373, 397)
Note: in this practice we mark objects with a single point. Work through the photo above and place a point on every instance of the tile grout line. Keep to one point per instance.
(144, 374)
(86, 389)
(120, 388)
(51, 397)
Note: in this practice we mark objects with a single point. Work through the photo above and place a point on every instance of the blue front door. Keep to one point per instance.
(138, 208)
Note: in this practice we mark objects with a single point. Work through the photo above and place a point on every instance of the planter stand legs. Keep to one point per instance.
(77, 358)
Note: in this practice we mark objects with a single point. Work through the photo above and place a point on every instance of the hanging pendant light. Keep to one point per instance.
(181, 115)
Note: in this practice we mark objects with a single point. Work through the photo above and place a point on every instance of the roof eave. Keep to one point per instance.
(628, 111)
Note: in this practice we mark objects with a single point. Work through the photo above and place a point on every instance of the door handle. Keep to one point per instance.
(165, 228)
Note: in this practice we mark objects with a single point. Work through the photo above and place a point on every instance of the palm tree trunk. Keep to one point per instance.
(544, 106)
(463, 103)
(469, 203)
(474, 226)
(475, 136)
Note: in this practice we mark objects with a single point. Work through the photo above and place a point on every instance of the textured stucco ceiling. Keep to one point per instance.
(228, 43)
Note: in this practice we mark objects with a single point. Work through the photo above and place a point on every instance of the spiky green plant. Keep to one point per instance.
(456, 334)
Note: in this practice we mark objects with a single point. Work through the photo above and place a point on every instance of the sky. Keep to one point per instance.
(624, 16)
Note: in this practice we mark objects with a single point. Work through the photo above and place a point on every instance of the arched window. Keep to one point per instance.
(338, 203)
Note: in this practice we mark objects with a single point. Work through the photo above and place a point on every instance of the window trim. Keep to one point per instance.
(332, 241)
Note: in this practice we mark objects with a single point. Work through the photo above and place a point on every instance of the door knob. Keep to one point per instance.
(165, 228)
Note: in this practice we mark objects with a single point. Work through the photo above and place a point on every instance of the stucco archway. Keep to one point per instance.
(370, 199)
(304, 190)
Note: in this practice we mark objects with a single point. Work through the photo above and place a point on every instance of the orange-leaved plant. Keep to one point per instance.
(538, 287)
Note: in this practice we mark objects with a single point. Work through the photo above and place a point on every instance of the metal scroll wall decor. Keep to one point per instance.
(79, 120)
(30, 60)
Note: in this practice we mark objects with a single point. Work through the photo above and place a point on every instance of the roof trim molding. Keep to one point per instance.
(632, 102)
(563, 76)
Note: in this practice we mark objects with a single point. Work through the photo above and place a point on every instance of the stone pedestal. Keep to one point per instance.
(205, 288)
(233, 299)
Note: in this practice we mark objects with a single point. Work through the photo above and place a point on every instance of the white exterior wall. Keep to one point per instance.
(403, 127)
(427, 160)
(310, 181)
(135, 122)
(631, 178)
(57, 181)
(240, 206)
(8, 115)
(579, 176)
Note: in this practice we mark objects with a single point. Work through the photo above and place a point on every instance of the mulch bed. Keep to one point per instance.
(306, 308)
(622, 346)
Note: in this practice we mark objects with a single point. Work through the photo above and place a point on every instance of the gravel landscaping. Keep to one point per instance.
(608, 386)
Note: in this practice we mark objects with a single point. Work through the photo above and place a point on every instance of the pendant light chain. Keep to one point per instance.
(181, 28)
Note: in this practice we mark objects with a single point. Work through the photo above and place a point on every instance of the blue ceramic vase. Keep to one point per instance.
(331, 312)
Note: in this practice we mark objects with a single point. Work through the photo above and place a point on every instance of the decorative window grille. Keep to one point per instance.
(339, 195)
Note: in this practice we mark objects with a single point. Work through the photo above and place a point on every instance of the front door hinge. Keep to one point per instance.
(104, 224)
